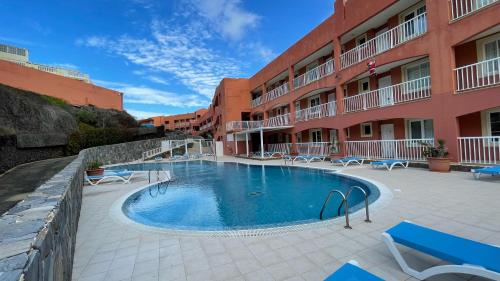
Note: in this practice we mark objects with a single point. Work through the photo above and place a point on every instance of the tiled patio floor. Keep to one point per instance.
(108, 249)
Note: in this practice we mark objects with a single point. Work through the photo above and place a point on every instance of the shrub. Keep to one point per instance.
(94, 165)
(6, 131)
(86, 116)
(440, 151)
(55, 101)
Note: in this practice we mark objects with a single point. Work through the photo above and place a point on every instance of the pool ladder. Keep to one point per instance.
(344, 202)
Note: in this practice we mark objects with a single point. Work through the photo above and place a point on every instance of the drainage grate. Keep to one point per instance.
(254, 193)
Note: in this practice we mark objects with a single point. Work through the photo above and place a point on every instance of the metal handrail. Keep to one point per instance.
(366, 200)
(344, 200)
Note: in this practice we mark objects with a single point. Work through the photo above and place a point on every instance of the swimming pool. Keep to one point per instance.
(215, 196)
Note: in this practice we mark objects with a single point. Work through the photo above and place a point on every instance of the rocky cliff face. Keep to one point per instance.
(24, 113)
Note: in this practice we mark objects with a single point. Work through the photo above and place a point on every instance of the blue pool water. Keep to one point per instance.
(230, 196)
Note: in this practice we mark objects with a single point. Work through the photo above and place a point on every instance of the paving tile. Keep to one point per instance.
(225, 271)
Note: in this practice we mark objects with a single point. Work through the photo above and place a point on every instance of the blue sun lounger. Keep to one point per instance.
(465, 256)
(389, 164)
(352, 272)
(306, 158)
(348, 160)
(493, 170)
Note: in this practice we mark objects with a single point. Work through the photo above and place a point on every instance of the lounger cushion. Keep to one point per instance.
(350, 272)
(445, 246)
(493, 170)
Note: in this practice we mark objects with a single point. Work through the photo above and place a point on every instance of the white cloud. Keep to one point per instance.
(227, 16)
(156, 79)
(179, 51)
(139, 114)
(65, 65)
(146, 95)
(258, 50)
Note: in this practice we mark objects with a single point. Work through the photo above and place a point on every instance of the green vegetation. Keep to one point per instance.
(440, 151)
(86, 116)
(88, 136)
(94, 165)
(55, 101)
(5, 131)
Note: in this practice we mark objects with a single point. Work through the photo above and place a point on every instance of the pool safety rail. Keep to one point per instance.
(346, 203)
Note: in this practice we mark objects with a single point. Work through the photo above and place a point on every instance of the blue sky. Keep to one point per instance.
(167, 56)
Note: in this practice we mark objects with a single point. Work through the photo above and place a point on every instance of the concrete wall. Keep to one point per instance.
(38, 235)
(71, 90)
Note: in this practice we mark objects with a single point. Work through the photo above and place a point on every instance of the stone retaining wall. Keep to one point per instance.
(38, 235)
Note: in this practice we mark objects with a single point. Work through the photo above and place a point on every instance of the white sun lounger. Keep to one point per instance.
(464, 255)
(124, 176)
(389, 164)
(348, 160)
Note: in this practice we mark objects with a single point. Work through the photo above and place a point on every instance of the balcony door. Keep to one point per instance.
(387, 134)
(386, 95)
(383, 40)
(415, 23)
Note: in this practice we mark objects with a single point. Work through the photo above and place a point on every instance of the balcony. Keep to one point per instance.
(315, 148)
(314, 74)
(406, 149)
(258, 101)
(405, 92)
(479, 150)
(277, 92)
(182, 125)
(482, 74)
(463, 8)
(390, 39)
(280, 121)
(206, 126)
(316, 112)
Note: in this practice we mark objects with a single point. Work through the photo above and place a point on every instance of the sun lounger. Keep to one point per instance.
(389, 164)
(352, 272)
(110, 175)
(493, 170)
(180, 157)
(348, 160)
(465, 256)
(306, 158)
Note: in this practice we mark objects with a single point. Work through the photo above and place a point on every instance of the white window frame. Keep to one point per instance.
(311, 134)
(318, 97)
(422, 126)
(485, 121)
(412, 9)
(360, 85)
(481, 44)
(362, 127)
(362, 36)
(413, 64)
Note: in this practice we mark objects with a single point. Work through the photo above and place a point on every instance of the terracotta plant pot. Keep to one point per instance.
(95, 172)
(441, 165)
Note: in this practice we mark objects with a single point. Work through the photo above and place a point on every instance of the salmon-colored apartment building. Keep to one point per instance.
(187, 122)
(66, 84)
(376, 79)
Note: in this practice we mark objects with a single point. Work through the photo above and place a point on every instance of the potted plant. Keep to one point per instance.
(94, 168)
(437, 157)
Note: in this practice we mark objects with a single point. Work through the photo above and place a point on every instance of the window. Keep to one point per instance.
(314, 101)
(361, 40)
(491, 122)
(345, 91)
(489, 50)
(316, 135)
(420, 129)
(348, 132)
(415, 72)
(415, 23)
(298, 136)
(312, 66)
(366, 130)
(364, 85)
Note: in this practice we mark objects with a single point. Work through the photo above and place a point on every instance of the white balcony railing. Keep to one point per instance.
(479, 150)
(182, 124)
(69, 73)
(279, 147)
(314, 74)
(258, 101)
(482, 74)
(406, 149)
(314, 148)
(407, 91)
(277, 92)
(462, 8)
(316, 112)
(386, 41)
(278, 121)
(206, 126)
(243, 125)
